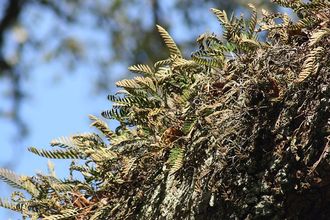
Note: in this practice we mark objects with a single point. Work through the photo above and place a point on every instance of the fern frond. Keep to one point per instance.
(101, 126)
(303, 23)
(10, 205)
(67, 214)
(293, 4)
(60, 186)
(18, 182)
(176, 159)
(188, 125)
(11, 178)
(310, 65)
(128, 83)
(173, 48)
(221, 16)
(102, 155)
(250, 42)
(318, 35)
(63, 142)
(88, 141)
(141, 69)
(128, 165)
(253, 21)
(57, 154)
(162, 63)
(211, 62)
(117, 114)
(148, 82)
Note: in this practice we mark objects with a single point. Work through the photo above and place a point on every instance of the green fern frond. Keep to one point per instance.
(176, 159)
(117, 114)
(57, 154)
(250, 42)
(101, 126)
(173, 48)
(142, 69)
(188, 125)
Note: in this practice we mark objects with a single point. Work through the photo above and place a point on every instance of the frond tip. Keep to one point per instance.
(173, 48)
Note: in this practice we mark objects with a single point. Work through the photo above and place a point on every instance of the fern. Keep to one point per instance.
(57, 154)
(68, 213)
(173, 48)
(318, 35)
(101, 126)
(176, 159)
(310, 65)
(129, 84)
(10, 205)
(128, 165)
(63, 142)
(195, 113)
(19, 182)
(142, 69)
(117, 114)
(252, 22)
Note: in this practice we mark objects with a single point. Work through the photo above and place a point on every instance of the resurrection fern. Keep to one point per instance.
(171, 45)
(176, 159)
(57, 154)
(142, 69)
(221, 135)
(311, 64)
